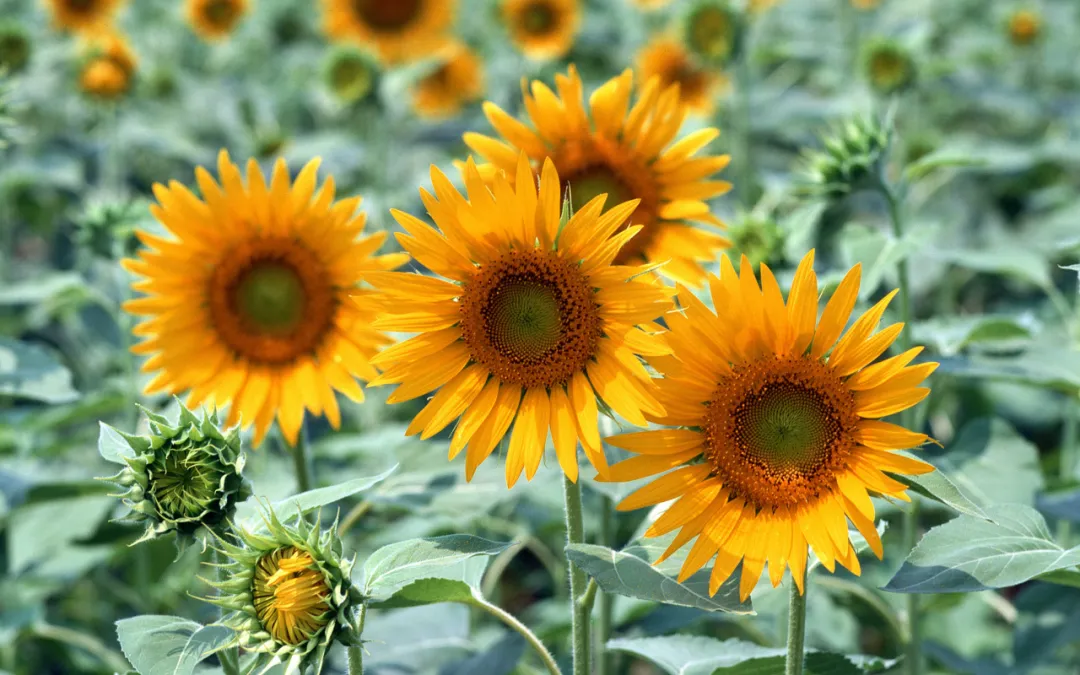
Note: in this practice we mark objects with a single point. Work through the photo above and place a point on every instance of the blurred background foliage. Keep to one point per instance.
(985, 100)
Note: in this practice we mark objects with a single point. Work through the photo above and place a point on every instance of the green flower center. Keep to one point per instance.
(270, 297)
(523, 321)
(785, 425)
(712, 33)
(181, 486)
(387, 15)
(888, 70)
(591, 182)
(351, 77)
(538, 19)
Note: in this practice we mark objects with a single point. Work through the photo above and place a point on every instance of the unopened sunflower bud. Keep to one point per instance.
(713, 31)
(287, 592)
(853, 159)
(184, 478)
(757, 237)
(888, 67)
(351, 74)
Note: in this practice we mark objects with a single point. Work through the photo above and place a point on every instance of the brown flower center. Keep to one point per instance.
(387, 16)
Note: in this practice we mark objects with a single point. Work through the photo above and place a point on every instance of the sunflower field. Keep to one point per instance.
(539, 337)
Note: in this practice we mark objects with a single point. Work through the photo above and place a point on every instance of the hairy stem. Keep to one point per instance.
(796, 633)
(522, 630)
(605, 661)
(575, 534)
(302, 460)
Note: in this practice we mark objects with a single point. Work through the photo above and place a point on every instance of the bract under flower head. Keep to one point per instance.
(287, 592)
(852, 160)
(184, 478)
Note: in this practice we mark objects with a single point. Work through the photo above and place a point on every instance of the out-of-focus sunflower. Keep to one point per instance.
(15, 47)
(215, 19)
(108, 69)
(249, 301)
(713, 31)
(756, 6)
(627, 152)
(667, 59)
(779, 440)
(888, 66)
(82, 15)
(865, 4)
(351, 73)
(529, 323)
(456, 81)
(651, 4)
(399, 30)
(1024, 26)
(542, 29)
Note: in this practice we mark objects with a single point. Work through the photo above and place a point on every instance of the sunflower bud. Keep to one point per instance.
(713, 31)
(888, 67)
(185, 478)
(287, 592)
(757, 237)
(1024, 27)
(853, 159)
(351, 74)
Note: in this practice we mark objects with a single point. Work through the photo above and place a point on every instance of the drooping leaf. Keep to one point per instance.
(306, 502)
(950, 335)
(28, 372)
(393, 567)
(971, 554)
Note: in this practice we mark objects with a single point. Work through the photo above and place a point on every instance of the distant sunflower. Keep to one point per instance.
(248, 302)
(627, 152)
(754, 6)
(529, 324)
(542, 29)
(1024, 27)
(865, 4)
(399, 30)
(457, 81)
(651, 4)
(215, 19)
(713, 31)
(82, 15)
(108, 69)
(779, 441)
(669, 60)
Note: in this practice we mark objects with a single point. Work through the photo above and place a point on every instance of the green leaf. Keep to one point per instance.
(29, 372)
(816, 663)
(41, 530)
(995, 463)
(971, 554)
(428, 592)
(943, 159)
(394, 567)
(939, 487)
(111, 445)
(40, 289)
(1011, 261)
(949, 335)
(499, 659)
(1044, 364)
(417, 639)
(305, 502)
(629, 573)
(169, 645)
(691, 654)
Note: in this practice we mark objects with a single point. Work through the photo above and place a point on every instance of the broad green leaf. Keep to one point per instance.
(995, 463)
(393, 567)
(40, 289)
(950, 335)
(1044, 365)
(28, 372)
(428, 592)
(305, 502)
(417, 639)
(111, 445)
(499, 659)
(942, 159)
(971, 554)
(169, 645)
(1012, 261)
(629, 573)
(938, 486)
(41, 530)
(816, 663)
(692, 654)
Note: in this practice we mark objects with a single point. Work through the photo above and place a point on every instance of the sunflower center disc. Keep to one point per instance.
(888, 69)
(538, 19)
(221, 13)
(270, 296)
(591, 182)
(530, 318)
(82, 6)
(289, 595)
(351, 78)
(387, 15)
(181, 490)
(778, 429)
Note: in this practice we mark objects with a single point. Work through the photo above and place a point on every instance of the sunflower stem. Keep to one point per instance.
(521, 629)
(849, 21)
(356, 652)
(1067, 458)
(910, 523)
(302, 460)
(575, 534)
(744, 150)
(796, 633)
(605, 660)
(230, 656)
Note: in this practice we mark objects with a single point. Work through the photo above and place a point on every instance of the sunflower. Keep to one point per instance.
(215, 19)
(530, 322)
(542, 29)
(779, 440)
(81, 15)
(650, 5)
(399, 30)
(455, 82)
(668, 60)
(865, 4)
(625, 152)
(249, 302)
(888, 66)
(109, 68)
(1024, 27)
(713, 31)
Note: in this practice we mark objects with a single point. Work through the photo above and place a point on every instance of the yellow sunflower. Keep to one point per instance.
(399, 30)
(651, 4)
(542, 29)
(530, 320)
(82, 15)
(215, 19)
(779, 440)
(1024, 27)
(109, 67)
(669, 60)
(627, 152)
(457, 81)
(290, 595)
(249, 301)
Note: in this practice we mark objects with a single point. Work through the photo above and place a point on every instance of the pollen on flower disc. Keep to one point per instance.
(530, 318)
(777, 430)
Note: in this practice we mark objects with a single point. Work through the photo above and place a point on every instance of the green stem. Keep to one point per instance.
(230, 656)
(575, 534)
(353, 516)
(605, 661)
(1067, 459)
(302, 460)
(913, 652)
(522, 630)
(744, 152)
(849, 20)
(356, 652)
(796, 633)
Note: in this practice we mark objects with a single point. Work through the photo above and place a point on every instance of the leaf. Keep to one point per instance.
(943, 159)
(1012, 261)
(624, 573)
(816, 663)
(248, 510)
(499, 659)
(971, 554)
(995, 463)
(691, 654)
(428, 592)
(1044, 364)
(40, 289)
(111, 445)
(29, 372)
(169, 645)
(416, 639)
(41, 530)
(949, 335)
(938, 486)
(393, 567)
